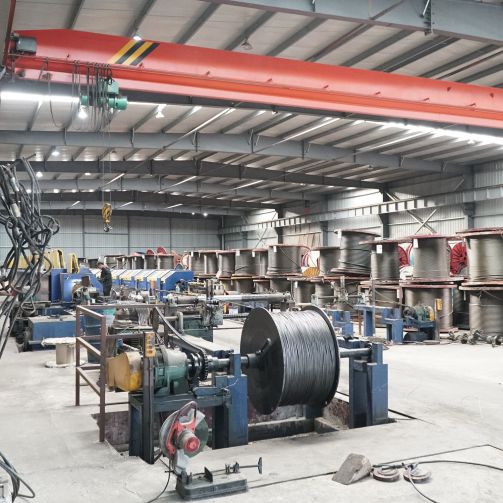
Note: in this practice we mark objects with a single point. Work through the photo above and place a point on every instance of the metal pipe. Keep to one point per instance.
(271, 297)
(353, 353)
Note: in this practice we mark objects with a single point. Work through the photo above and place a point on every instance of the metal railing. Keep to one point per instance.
(84, 342)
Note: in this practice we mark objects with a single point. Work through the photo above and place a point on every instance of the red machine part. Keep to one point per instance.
(162, 250)
(459, 258)
(181, 434)
(194, 71)
(404, 255)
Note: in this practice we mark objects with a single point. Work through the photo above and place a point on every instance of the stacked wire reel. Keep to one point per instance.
(250, 265)
(300, 363)
(432, 284)
(484, 284)
(385, 259)
(342, 269)
(283, 262)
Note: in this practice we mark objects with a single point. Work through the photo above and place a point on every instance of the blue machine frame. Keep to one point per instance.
(228, 396)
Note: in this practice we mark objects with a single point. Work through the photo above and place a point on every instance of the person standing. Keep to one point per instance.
(105, 278)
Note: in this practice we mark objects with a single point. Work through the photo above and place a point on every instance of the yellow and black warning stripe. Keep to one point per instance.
(133, 53)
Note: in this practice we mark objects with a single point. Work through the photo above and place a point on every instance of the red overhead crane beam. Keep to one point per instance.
(195, 71)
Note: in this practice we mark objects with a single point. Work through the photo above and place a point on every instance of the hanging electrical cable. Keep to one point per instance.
(30, 233)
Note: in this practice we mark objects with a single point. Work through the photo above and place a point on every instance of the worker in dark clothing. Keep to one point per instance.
(106, 278)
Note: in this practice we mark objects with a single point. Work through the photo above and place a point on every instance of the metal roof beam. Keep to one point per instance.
(191, 168)
(137, 22)
(249, 31)
(292, 39)
(452, 18)
(74, 14)
(196, 25)
(384, 44)
(338, 42)
(482, 74)
(223, 143)
(470, 59)
(185, 187)
(58, 207)
(151, 198)
(416, 53)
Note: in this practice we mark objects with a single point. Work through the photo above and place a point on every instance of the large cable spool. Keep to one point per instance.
(196, 263)
(226, 263)
(323, 292)
(243, 285)
(461, 308)
(329, 258)
(262, 285)
(166, 261)
(431, 254)
(385, 260)
(279, 285)
(150, 261)
(301, 365)
(485, 251)
(414, 294)
(245, 262)
(210, 262)
(284, 259)
(302, 290)
(261, 260)
(354, 252)
(486, 311)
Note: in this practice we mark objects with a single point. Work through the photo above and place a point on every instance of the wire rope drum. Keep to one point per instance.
(426, 294)
(323, 292)
(302, 290)
(284, 260)
(244, 262)
(485, 252)
(461, 308)
(197, 262)
(431, 258)
(385, 260)
(243, 284)
(210, 262)
(278, 284)
(166, 261)
(261, 259)
(150, 261)
(486, 310)
(382, 294)
(262, 285)
(329, 258)
(300, 365)
(354, 255)
(226, 263)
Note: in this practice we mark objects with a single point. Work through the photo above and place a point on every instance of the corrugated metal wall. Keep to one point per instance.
(84, 235)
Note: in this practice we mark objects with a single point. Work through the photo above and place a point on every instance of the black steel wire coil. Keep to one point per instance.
(486, 312)
(284, 259)
(302, 364)
(354, 257)
(431, 258)
(226, 263)
(261, 260)
(245, 262)
(385, 262)
(150, 261)
(485, 257)
(329, 258)
(197, 263)
(166, 261)
(210, 262)
(302, 290)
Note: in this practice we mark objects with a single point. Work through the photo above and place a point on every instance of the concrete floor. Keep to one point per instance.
(454, 392)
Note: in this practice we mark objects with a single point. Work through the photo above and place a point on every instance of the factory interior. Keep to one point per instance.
(251, 250)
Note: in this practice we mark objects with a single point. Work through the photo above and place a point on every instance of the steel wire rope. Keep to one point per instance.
(310, 358)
